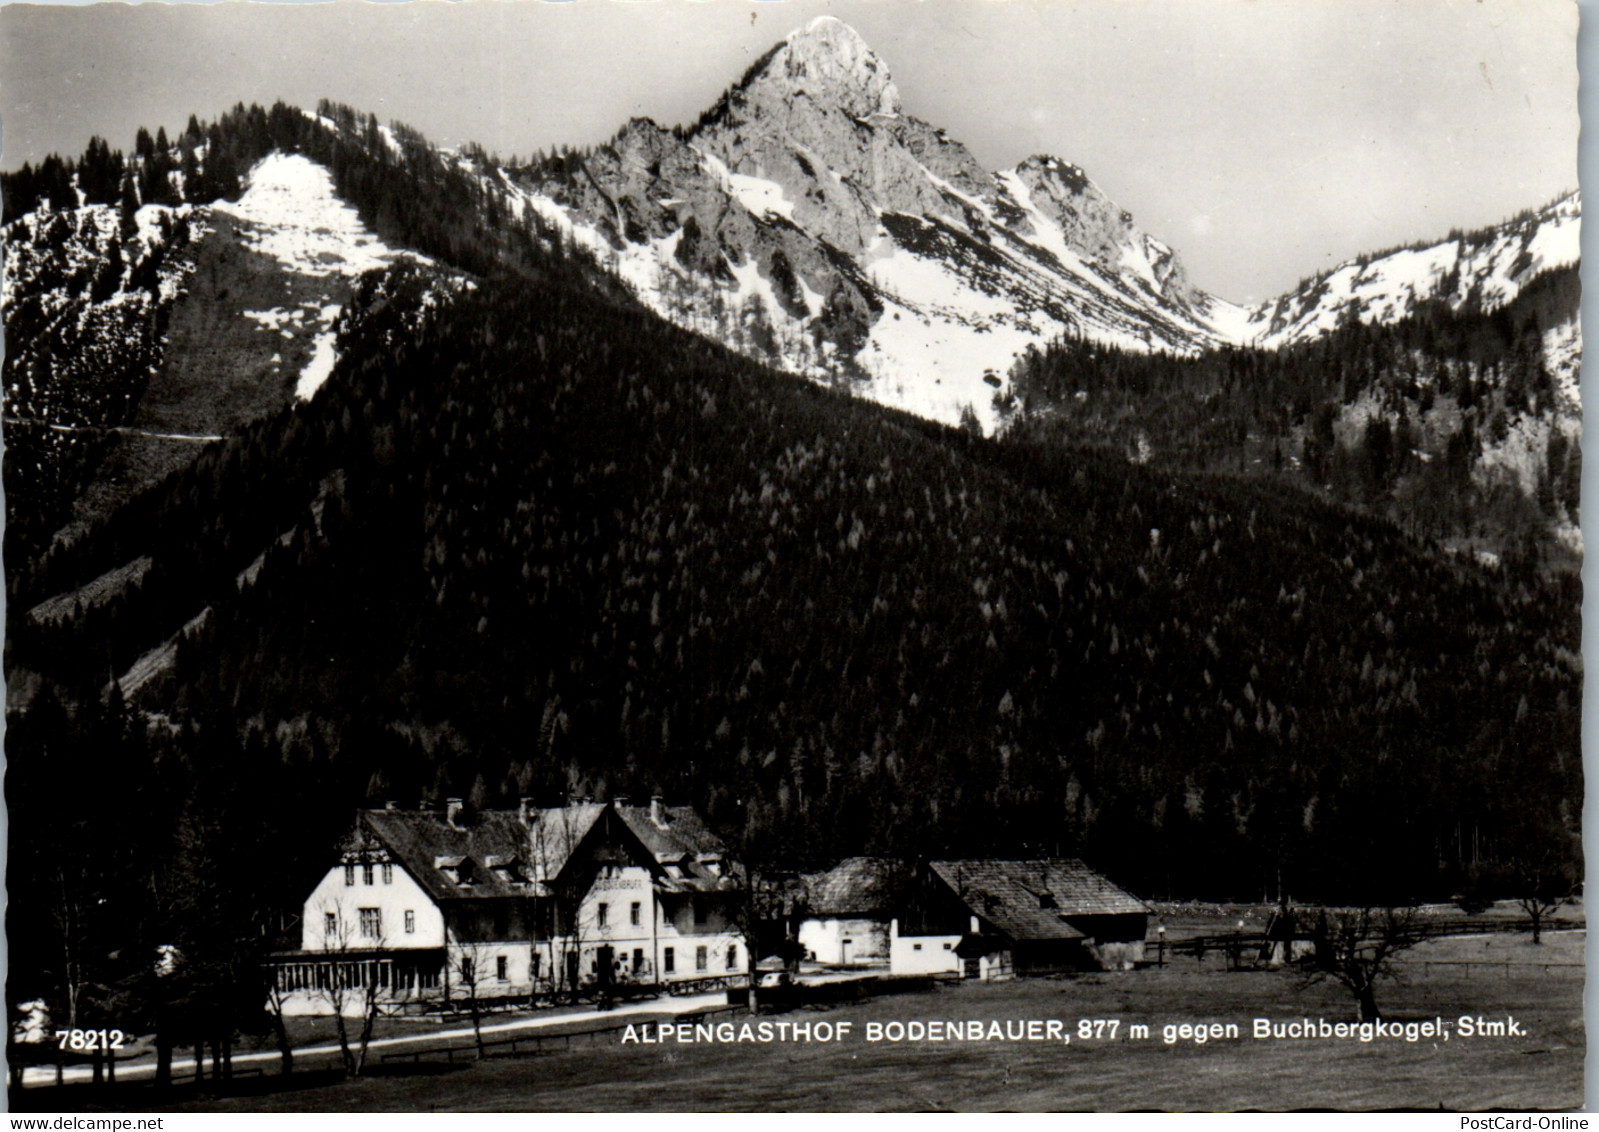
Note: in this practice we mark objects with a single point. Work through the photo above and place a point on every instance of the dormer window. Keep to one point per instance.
(457, 870)
(505, 869)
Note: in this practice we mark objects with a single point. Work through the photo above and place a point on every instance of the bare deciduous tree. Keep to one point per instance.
(469, 960)
(1357, 946)
(552, 835)
(352, 981)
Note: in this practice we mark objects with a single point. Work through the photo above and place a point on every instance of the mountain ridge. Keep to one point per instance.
(879, 218)
(828, 230)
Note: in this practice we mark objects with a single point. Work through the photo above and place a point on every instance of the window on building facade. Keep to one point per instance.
(732, 957)
(410, 922)
(466, 969)
(388, 872)
(669, 960)
(366, 873)
(330, 925)
(501, 967)
(602, 913)
(702, 959)
(371, 923)
(635, 914)
(349, 875)
(638, 960)
(916, 947)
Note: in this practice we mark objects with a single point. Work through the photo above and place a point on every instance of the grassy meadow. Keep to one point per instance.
(1495, 976)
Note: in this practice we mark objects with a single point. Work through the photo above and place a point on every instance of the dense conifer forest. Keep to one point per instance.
(530, 540)
(1393, 418)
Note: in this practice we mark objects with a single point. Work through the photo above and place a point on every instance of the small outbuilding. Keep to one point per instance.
(846, 912)
(993, 919)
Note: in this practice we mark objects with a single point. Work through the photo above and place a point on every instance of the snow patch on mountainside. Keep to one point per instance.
(1487, 271)
(291, 213)
(759, 196)
(934, 364)
(1227, 320)
(319, 368)
(1562, 357)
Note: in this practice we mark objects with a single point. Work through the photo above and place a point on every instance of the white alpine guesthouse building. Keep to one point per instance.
(424, 906)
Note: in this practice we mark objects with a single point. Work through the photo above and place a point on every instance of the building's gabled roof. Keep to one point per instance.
(553, 834)
(1030, 900)
(426, 846)
(856, 885)
(691, 858)
(499, 853)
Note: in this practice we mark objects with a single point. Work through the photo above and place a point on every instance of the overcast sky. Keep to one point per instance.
(1263, 139)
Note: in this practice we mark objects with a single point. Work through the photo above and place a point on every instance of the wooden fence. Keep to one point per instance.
(1241, 948)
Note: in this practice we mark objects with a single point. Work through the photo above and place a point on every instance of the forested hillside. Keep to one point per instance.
(553, 546)
(88, 295)
(1458, 424)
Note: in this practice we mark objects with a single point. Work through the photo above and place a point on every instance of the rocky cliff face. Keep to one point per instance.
(808, 219)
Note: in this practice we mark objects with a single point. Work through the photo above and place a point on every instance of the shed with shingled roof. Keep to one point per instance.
(1023, 916)
(847, 911)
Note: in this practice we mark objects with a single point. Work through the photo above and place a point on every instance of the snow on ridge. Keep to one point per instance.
(1046, 233)
(292, 214)
(1491, 266)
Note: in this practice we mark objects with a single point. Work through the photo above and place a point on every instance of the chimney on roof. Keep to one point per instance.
(452, 811)
(391, 805)
(619, 799)
(657, 811)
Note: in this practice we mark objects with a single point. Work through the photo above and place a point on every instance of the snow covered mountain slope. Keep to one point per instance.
(807, 219)
(1483, 270)
(145, 339)
(87, 297)
(290, 214)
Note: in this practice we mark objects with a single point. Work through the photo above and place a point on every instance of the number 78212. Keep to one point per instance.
(87, 1041)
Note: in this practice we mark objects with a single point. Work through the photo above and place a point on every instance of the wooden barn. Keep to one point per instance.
(993, 919)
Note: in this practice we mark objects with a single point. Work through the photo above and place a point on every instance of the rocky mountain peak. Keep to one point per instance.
(828, 62)
(811, 220)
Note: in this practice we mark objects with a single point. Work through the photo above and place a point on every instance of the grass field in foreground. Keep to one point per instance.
(1493, 976)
